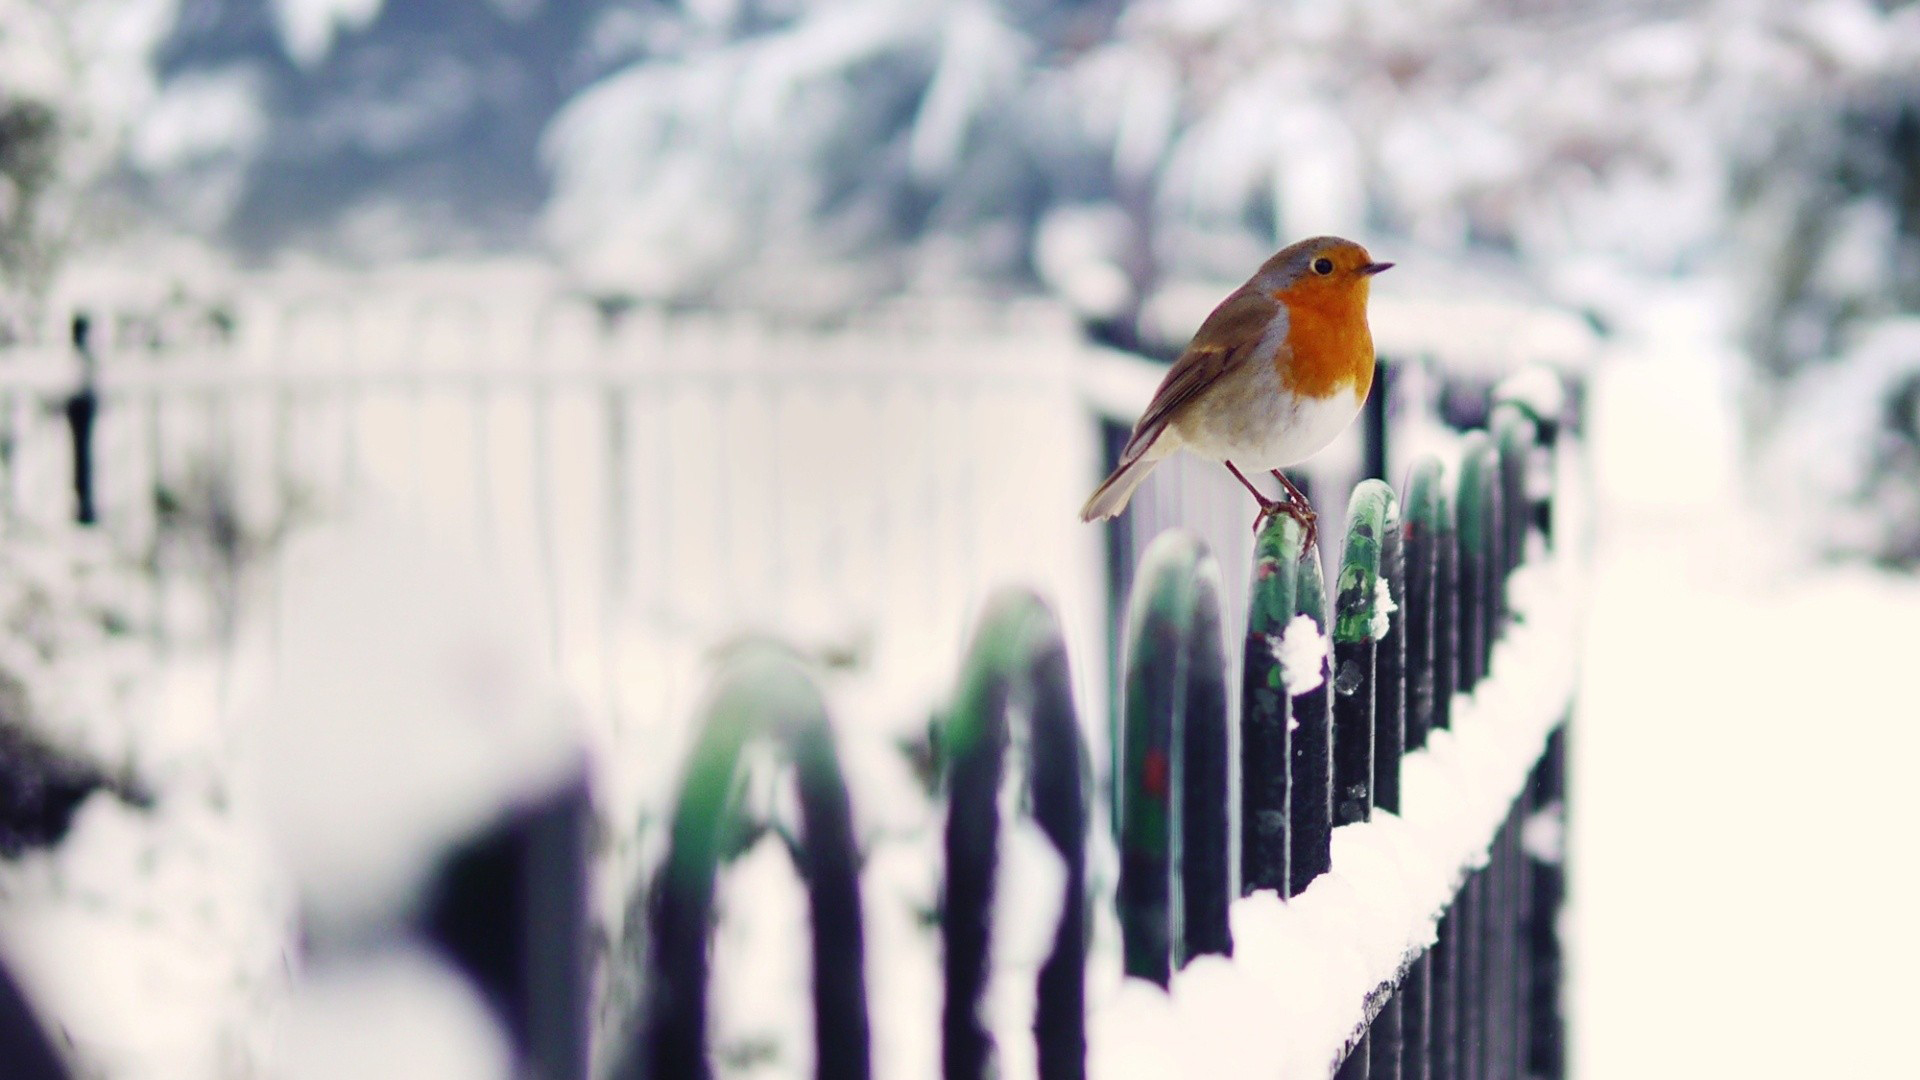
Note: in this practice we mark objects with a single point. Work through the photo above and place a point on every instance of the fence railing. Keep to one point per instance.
(1338, 700)
(1336, 703)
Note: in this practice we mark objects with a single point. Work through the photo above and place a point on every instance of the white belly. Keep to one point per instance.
(1254, 425)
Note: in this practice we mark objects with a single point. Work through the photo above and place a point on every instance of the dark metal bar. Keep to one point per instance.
(1479, 521)
(1370, 517)
(1421, 531)
(1374, 417)
(1383, 1037)
(1513, 923)
(1311, 818)
(1546, 1029)
(511, 909)
(1390, 678)
(1473, 973)
(1548, 415)
(1499, 1038)
(1522, 917)
(1444, 1008)
(83, 409)
(1266, 713)
(1017, 657)
(1172, 783)
(1416, 1023)
(1060, 809)
(1517, 441)
(1358, 1062)
(767, 695)
(1144, 779)
(1447, 611)
(1205, 868)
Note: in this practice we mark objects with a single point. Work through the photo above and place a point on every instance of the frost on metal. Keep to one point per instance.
(1302, 651)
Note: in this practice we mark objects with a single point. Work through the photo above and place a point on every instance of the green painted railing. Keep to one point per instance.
(1017, 667)
(1170, 788)
(763, 697)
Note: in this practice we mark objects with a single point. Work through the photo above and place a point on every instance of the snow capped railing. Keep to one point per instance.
(1386, 905)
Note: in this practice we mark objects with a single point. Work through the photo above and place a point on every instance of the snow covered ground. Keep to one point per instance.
(1742, 766)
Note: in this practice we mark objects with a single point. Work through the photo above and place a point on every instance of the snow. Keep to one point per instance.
(1302, 651)
(400, 1014)
(405, 706)
(762, 991)
(1543, 835)
(157, 941)
(1741, 767)
(308, 27)
(1381, 621)
(200, 115)
(1026, 913)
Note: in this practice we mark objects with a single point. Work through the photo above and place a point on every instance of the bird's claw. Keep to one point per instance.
(1302, 515)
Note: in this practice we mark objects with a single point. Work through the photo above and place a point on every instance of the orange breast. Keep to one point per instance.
(1329, 348)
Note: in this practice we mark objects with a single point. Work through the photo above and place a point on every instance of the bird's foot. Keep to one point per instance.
(1300, 512)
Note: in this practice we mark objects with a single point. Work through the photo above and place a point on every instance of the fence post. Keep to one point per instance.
(1420, 541)
(1390, 678)
(763, 695)
(82, 408)
(1516, 438)
(1266, 718)
(1367, 703)
(1375, 414)
(1017, 657)
(1544, 402)
(1172, 785)
(1370, 516)
(1546, 887)
(511, 909)
(1432, 527)
(1407, 677)
(1311, 820)
(1449, 609)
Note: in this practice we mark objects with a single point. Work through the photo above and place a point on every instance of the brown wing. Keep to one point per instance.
(1228, 337)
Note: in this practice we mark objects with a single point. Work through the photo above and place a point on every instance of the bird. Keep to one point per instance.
(1278, 370)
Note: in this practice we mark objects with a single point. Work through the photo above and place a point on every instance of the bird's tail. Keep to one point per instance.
(1112, 496)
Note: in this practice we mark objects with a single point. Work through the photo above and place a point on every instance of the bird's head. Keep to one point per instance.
(1320, 269)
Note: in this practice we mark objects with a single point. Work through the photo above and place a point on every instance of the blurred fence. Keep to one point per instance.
(632, 466)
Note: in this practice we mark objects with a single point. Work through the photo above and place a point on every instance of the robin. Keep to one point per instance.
(1273, 374)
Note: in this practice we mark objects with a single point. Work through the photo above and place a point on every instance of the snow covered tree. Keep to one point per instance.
(1830, 205)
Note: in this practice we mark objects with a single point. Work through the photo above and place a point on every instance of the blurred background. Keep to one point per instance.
(606, 336)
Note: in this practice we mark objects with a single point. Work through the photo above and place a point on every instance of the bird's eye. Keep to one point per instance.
(1323, 266)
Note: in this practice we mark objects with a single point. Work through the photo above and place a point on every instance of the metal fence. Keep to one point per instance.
(628, 467)
(1194, 828)
(1420, 601)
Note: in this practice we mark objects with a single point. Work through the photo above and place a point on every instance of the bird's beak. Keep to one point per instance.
(1371, 269)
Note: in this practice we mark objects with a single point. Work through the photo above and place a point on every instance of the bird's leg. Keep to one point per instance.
(1293, 493)
(1299, 508)
(1268, 507)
